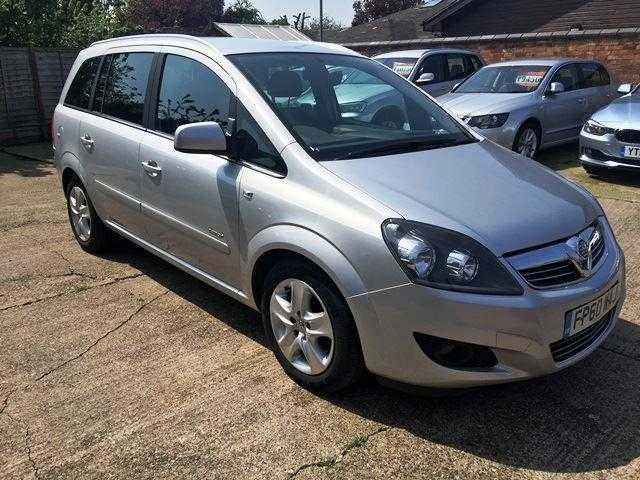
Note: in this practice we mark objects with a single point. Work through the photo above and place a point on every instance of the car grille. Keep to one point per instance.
(570, 347)
(551, 275)
(628, 136)
(552, 266)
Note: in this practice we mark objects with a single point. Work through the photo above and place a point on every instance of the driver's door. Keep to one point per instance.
(564, 112)
(434, 64)
(190, 201)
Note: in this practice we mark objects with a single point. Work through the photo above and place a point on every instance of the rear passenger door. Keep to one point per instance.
(190, 200)
(110, 137)
(458, 67)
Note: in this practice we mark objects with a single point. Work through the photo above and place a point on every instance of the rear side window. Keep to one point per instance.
(594, 75)
(190, 92)
(79, 94)
(126, 86)
(476, 64)
(251, 144)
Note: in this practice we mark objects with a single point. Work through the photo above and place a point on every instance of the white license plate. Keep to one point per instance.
(630, 152)
(583, 317)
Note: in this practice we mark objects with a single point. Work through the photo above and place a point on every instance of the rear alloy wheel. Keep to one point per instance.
(310, 328)
(527, 142)
(92, 235)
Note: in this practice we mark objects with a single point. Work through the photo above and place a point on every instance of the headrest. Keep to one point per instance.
(285, 83)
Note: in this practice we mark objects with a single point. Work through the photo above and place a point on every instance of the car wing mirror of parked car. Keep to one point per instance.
(555, 88)
(625, 89)
(425, 78)
(202, 137)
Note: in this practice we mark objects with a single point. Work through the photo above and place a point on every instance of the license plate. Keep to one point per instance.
(630, 152)
(586, 315)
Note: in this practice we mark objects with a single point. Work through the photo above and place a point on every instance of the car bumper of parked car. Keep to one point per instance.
(519, 332)
(605, 152)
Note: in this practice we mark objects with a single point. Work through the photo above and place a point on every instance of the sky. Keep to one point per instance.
(340, 10)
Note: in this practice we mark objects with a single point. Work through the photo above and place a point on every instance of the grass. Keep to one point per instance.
(616, 185)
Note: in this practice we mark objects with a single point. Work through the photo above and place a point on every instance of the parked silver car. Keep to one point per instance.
(435, 70)
(610, 140)
(425, 254)
(528, 105)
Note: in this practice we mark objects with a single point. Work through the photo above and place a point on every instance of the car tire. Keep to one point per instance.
(389, 118)
(91, 233)
(527, 141)
(325, 355)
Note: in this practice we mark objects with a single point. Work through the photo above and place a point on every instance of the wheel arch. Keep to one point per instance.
(69, 166)
(278, 243)
(532, 120)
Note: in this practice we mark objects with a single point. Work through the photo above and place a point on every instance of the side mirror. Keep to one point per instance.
(625, 89)
(425, 78)
(556, 88)
(203, 137)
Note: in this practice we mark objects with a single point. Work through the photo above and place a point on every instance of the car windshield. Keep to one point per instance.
(340, 106)
(507, 79)
(402, 66)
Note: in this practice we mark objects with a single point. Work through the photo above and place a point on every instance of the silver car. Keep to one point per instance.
(435, 70)
(610, 140)
(424, 254)
(529, 105)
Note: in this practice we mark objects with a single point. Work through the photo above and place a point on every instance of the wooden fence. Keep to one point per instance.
(30, 84)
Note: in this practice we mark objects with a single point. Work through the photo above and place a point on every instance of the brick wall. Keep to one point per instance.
(618, 49)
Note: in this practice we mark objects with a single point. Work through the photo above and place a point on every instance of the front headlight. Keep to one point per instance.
(448, 260)
(488, 121)
(595, 128)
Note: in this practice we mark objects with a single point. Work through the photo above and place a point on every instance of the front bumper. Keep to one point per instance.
(519, 330)
(605, 152)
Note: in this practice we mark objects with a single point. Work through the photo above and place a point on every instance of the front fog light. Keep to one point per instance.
(462, 267)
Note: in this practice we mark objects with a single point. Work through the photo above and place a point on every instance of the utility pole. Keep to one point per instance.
(321, 23)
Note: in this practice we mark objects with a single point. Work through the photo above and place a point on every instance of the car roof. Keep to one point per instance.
(547, 62)
(222, 45)
(421, 52)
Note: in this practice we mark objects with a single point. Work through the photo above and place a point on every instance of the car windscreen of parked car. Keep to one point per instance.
(506, 79)
(333, 120)
(402, 66)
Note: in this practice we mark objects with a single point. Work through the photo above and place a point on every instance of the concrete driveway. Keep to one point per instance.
(124, 367)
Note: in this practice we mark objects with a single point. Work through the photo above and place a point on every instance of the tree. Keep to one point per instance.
(368, 10)
(282, 20)
(329, 25)
(179, 16)
(243, 11)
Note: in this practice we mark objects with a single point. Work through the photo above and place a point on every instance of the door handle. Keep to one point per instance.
(582, 100)
(151, 168)
(87, 141)
(247, 194)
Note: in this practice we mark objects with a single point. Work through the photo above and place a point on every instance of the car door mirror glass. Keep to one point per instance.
(556, 88)
(202, 137)
(425, 78)
(625, 89)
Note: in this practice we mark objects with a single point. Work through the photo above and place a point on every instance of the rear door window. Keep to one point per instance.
(456, 66)
(189, 93)
(79, 94)
(126, 86)
(594, 75)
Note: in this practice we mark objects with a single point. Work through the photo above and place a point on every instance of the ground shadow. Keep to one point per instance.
(10, 164)
(584, 419)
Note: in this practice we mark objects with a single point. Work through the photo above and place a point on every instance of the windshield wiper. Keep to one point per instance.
(404, 147)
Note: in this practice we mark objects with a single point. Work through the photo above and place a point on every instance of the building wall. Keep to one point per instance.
(620, 52)
(484, 17)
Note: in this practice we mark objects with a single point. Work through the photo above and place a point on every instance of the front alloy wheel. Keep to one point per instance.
(527, 143)
(301, 326)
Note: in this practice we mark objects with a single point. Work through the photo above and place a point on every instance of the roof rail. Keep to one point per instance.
(152, 36)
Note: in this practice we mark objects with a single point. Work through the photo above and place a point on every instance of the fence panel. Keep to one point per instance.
(30, 86)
